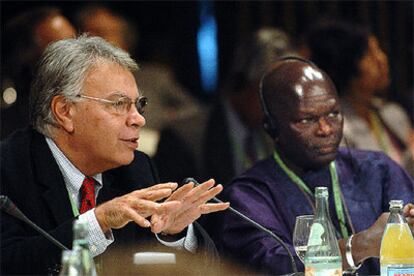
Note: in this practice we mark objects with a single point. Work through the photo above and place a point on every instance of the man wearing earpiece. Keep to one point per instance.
(303, 116)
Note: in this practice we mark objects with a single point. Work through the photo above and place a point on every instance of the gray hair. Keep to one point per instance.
(62, 70)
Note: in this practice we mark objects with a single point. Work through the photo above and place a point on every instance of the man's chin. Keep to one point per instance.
(321, 160)
(325, 159)
(126, 159)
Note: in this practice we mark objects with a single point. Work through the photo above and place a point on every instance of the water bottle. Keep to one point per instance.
(322, 256)
(80, 249)
(70, 264)
(397, 245)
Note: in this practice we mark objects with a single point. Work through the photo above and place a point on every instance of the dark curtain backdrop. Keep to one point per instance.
(167, 31)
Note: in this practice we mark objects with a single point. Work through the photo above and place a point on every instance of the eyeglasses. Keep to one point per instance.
(122, 105)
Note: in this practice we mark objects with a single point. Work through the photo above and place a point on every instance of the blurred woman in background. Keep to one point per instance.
(352, 57)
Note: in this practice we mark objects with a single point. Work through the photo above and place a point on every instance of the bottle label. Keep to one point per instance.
(315, 236)
(312, 271)
(400, 271)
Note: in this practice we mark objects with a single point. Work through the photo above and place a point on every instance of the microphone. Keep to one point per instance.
(10, 208)
(255, 224)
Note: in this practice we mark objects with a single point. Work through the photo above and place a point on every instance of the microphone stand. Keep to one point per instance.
(10, 208)
(257, 225)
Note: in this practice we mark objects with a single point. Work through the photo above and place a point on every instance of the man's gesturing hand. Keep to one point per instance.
(136, 206)
(193, 205)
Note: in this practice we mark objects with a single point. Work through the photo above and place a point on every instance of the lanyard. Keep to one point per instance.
(335, 187)
(75, 210)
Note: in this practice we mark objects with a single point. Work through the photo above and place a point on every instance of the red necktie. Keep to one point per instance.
(88, 195)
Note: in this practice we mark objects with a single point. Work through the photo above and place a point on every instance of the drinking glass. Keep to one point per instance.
(301, 232)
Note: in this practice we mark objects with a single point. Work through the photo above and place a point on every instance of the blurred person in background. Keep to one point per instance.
(23, 41)
(352, 56)
(230, 139)
(99, 20)
(170, 101)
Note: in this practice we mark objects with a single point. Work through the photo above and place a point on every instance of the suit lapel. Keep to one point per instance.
(120, 181)
(53, 190)
(109, 190)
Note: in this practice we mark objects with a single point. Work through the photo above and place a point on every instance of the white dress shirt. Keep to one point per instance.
(98, 241)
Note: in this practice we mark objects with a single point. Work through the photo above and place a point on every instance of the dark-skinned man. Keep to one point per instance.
(303, 116)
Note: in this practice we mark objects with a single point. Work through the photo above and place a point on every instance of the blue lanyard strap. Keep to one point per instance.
(335, 185)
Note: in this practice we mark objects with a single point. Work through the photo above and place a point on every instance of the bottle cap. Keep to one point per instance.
(80, 229)
(321, 191)
(396, 204)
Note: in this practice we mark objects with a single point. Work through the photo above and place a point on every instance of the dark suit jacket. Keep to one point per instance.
(31, 178)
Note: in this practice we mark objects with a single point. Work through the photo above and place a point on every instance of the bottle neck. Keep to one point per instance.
(79, 239)
(82, 242)
(79, 235)
(396, 216)
(321, 207)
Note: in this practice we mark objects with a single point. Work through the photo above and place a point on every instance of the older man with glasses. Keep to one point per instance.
(79, 161)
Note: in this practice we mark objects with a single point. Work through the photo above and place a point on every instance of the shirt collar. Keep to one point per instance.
(72, 176)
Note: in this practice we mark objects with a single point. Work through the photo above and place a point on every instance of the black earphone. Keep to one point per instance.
(269, 123)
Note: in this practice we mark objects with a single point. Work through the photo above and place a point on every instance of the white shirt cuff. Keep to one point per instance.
(98, 241)
(189, 242)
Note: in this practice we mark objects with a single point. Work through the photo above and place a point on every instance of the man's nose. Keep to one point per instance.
(134, 118)
(324, 127)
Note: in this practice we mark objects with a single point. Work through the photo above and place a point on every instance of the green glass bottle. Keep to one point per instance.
(81, 249)
(70, 264)
(322, 256)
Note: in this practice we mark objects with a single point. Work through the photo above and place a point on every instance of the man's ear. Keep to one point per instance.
(62, 111)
